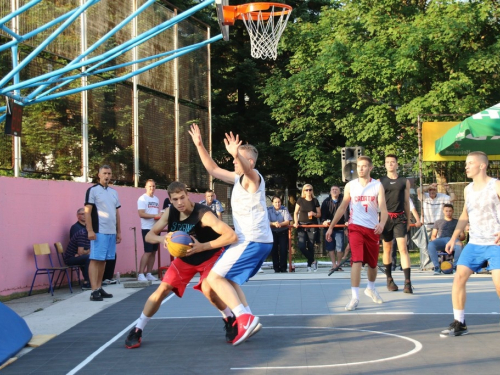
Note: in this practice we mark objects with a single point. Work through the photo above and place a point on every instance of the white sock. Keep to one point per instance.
(355, 292)
(239, 310)
(226, 313)
(371, 285)
(247, 308)
(459, 315)
(143, 320)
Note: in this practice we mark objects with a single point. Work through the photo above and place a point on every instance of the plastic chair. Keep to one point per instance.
(60, 258)
(43, 251)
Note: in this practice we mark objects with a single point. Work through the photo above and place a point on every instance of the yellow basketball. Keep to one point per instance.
(446, 267)
(178, 243)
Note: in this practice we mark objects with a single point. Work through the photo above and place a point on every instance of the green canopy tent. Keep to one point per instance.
(480, 132)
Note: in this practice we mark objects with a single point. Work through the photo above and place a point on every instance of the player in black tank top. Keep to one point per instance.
(210, 235)
(397, 197)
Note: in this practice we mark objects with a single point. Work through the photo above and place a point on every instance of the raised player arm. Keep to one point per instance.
(340, 211)
(251, 179)
(383, 210)
(212, 168)
(227, 235)
(462, 223)
(154, 235)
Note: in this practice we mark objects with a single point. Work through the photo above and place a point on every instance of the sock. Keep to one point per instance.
(247, 308)
(371, 285)
(355, 292)
(143, 320)
(388, 270)
(407, 272)
(226, 313)
(239, 310)
(459, 315)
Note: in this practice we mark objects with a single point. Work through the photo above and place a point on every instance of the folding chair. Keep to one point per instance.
(43, 251)
(76, 269)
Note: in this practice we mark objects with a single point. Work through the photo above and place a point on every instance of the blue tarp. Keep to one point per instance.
(14, 332)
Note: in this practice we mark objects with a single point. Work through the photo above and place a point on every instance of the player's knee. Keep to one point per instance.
(163, 290)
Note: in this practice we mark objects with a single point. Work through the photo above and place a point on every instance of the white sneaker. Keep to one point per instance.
(150, 277)
(353, 303)
(261, 270)
(309, 269)
(315, 265)
(373, 294)
(141, 277)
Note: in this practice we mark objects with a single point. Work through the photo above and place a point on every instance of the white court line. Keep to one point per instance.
(416, 349)
(102, 348)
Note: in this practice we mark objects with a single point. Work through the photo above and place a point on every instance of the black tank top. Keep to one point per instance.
(192, 225)
(394, 193)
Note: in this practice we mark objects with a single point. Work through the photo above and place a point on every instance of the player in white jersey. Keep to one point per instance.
(365, 197)
(482, 212)
(242, 260)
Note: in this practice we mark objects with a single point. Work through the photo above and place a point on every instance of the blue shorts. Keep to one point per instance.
(337, 241)
(242, 260)
(474, 256)
(103, 247)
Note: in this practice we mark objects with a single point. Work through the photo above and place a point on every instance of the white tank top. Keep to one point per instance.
(250, 219)
(483, 208)
(364, 203)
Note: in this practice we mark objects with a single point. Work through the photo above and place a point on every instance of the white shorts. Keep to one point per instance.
(242, 260)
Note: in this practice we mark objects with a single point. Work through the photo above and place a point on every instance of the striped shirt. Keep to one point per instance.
(79, 239)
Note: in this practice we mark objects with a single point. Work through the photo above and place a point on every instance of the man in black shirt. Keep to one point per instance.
(397, 198)
(80, 223)
(211, 234)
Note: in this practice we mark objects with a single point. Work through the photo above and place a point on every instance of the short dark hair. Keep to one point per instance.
(176, 187)
(391, 156)
(209, 191)
(281, 200)
(449, 205)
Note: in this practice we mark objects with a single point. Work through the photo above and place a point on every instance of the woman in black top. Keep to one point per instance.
(307, 211)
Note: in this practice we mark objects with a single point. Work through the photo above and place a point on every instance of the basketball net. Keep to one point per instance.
(265, 29)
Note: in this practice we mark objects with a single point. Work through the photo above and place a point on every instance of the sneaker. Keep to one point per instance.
(105, 294)
(246, 324)
(86, 286)
(108, 281)
(455, 329)
(353, 303)
(340, 270)
(437, 271)
(315, 265)
(134, 338)
(231, 329)
(95, 296)
(373, 294)
(309, 269)
(408, 288)
(150, 277)
(255, 330)
(261, 270)
(391, 285)
(141, 277)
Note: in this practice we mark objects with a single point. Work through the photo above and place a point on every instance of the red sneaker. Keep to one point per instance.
(246, 324)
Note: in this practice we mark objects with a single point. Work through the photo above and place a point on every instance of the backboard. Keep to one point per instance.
(220, 15)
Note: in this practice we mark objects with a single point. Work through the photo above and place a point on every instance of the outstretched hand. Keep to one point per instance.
(232, 143)
(195, 135)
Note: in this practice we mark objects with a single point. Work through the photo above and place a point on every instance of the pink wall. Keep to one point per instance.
(39, 211)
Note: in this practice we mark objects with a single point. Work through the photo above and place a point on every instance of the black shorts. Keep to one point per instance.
(395, 228)
(148, 247)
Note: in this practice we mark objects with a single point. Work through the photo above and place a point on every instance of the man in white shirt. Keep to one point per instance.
(433, 203)
(148, 207)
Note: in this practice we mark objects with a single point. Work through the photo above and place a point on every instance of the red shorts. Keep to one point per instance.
(180, 273)
(365, 245)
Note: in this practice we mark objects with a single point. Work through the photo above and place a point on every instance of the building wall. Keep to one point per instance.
(40, 211)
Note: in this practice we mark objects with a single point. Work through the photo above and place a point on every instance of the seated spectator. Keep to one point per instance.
(213, 203)
(77, 254)
(441, 234)
(80, 223)
(279, 217)
(433, 203)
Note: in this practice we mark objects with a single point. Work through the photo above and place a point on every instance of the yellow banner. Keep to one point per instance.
(431, 132)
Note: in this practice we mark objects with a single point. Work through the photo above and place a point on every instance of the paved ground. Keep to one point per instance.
(306, 331)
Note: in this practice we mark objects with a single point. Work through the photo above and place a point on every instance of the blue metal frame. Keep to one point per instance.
(47, 83)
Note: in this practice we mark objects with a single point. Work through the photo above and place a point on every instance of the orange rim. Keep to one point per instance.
(232, 13)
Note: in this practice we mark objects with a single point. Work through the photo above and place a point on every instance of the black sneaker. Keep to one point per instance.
(95, 296)
(105, 294)
(86, 286)
(231, 329)
(455, 329)
(134, 338)
(408, 288)
(391, 285)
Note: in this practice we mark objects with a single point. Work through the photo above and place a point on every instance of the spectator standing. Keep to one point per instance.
(329, 208)
(213, 203)
(279, 217)
(432, 203)
(441, 234)
(102, 219)
(148, 207)
(307, 212)
(418, 224)
(166, 203)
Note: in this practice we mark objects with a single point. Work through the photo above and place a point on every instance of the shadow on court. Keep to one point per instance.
(305, 331)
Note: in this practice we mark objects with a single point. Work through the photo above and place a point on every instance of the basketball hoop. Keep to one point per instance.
(265, 22)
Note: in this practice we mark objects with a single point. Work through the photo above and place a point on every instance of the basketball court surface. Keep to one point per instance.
(306, 330)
